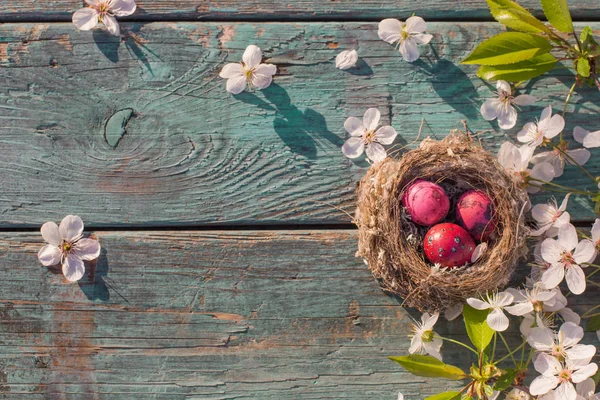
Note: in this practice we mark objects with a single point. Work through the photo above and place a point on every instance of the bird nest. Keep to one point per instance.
(392, 245)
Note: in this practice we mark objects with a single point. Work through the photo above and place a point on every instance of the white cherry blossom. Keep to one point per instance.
(557, 159)
(545, 321)
(548, 127)
(424, 339)
(495, 302)
(559, 377)
(563, 345)
(452, 312)
(567, 257)
(67, 247)
(406, 35)
(501, 107)
(550, 216)
(516, 160)
(249, 73)
(530, 300)
(586, 138)
(400, 396)
(346, 59)
(103, 11)
(365, 134)
(585, 390)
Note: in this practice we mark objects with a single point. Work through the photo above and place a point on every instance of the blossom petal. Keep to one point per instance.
(261, 81)
(555, 125)
(478, 304)
(497, 320)
(453, 312)
(525, 135)
(592, 140)
(376, 152)
(542, 171)
(354, 126)
(346, 59)
(237, 84)
(596, 231)
(85, 19)
(547, 365)
(546, 113)
(390, 30)
(409, 50)
(579, 134)
(123, 8)
(490, 108)
(585, 252)
(371, 119)
(567, 236)
(385, 134)
(580, 354)
(415, 24)
(111, 24)
(583, 373)
(232, 70)
(416, 343)
(422, 38)
(92, 2)
(503, 86)
(524, 100)
(266, 69)
(433, 348)
(73, 268)
(551, 250)
(542, 213)
(543, 384)
(541, 339)
(51, 234)
(71, 228)
(522, 308)
(353, 147)
(575, 279)
(87, 249)
(252, 56)
(579, 156)
(566, 391)
(429, 320)
(570, 316)
(49, 255)
(570, 334)
(507, 117)
(504, 298)
(586, 388)
(508, 155)
(553, 276)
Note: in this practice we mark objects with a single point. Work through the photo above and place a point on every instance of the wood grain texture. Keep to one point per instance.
(203, 315)
(260, 10)
(189, 153)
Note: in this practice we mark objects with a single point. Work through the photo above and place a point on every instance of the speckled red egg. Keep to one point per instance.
(426, 202)
(449, 245)
(475, 213)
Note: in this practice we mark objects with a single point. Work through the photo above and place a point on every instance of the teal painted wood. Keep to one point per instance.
(190, 153)
(260, 10)
(204, 315)
(266, 315)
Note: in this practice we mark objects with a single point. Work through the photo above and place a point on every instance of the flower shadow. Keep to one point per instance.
(300, 130)
(108, 44)
(94, 282)
(361, 68)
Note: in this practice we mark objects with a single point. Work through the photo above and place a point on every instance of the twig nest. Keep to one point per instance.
(392, 243)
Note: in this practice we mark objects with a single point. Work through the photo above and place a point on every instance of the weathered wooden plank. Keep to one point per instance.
(211, 315)
(260, 10)
(168, 315)
(190, 153)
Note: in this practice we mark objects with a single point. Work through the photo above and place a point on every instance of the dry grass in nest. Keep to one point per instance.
(392, 245)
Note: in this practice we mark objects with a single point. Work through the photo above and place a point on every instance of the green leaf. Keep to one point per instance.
(520, 71)
(583, 67)
(557, 12)
(505, 380)
(589, 46)
(508, 48)
(593, 324)
(428, 366)
(477, 328)
(513, 16)
(444, 396)
(596, 377)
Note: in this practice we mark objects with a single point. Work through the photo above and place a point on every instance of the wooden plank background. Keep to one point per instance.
(176, 307)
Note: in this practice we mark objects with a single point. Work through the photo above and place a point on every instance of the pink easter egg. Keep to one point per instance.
(475, 213)
(449, 245)
(426, 202)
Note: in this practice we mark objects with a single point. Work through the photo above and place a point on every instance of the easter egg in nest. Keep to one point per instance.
(475, 213)
(449, 245)
(426, 202)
